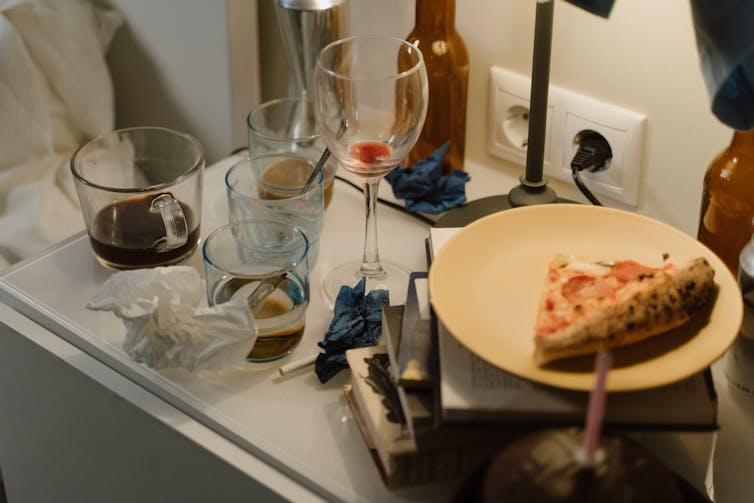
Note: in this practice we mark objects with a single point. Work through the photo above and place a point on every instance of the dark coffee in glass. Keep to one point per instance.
(140, 191)
(129, 234)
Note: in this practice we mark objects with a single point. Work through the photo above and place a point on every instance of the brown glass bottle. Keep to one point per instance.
(726, 220)
(447, 64)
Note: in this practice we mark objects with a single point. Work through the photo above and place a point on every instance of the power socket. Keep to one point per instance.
(509, 120)
(568, 114)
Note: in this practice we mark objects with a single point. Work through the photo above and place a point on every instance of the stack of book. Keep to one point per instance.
(430, 409)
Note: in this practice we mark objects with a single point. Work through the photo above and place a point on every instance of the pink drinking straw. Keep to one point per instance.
(596, 410)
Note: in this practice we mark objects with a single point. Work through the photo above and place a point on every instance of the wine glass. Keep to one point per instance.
(370, 95)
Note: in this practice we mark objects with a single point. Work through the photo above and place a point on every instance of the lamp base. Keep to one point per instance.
(474, 210)
(529, 194)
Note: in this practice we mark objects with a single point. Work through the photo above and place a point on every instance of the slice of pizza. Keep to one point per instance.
(586, 306)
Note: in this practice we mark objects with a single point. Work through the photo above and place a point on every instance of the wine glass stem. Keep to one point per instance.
(370, 261)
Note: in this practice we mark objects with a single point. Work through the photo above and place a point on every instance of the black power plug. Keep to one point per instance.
(594, 154)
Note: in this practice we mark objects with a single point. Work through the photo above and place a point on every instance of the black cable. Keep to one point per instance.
(593, 154)
(583, 188)
(424, 219)
(418, 216)
(238, 150)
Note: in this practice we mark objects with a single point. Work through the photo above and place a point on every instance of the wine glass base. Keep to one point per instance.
(394, 279)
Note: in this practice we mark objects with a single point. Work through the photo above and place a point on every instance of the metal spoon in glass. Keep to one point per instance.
(322, 160)
(263, 289)
(316, 171)
(268, 285)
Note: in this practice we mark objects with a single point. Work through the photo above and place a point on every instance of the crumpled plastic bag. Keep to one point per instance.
(166, 328)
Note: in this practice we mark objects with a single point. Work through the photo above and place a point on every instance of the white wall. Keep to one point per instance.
(187, 64)
(643, 58)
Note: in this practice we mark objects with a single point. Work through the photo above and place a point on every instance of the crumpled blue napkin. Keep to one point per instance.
(356, 323)
(725, 44)
(423, 187)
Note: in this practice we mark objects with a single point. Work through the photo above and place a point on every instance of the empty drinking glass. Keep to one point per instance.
(269, 187)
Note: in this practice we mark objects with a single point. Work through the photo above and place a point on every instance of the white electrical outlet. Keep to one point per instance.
(623, 130)
(509, 120)
(568, 114)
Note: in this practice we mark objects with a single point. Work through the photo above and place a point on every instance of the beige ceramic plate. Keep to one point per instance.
(486, 281)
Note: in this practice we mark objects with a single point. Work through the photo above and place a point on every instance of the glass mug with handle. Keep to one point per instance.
(140, 191)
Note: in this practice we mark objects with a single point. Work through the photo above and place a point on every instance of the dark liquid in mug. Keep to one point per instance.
(271, 345)
(278, 344)
(125, 234)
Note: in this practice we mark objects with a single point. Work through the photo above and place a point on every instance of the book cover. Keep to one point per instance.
(392, 318)
(419, 407)
(414, 353)
(416, 403)
(438, 236)
(395, 454)
(473, 390)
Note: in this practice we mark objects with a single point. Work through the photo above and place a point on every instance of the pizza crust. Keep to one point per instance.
(647, 307)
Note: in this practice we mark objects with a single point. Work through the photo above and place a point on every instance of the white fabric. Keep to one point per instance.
(55, 94)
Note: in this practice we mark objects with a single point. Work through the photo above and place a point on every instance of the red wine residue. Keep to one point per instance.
(370, 152)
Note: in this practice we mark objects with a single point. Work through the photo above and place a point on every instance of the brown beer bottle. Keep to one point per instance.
(726, 221)
(447, 64)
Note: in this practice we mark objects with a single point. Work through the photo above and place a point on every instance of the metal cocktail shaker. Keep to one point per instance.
(306, 27)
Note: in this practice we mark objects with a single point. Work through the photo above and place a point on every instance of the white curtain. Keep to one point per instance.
(55, 94)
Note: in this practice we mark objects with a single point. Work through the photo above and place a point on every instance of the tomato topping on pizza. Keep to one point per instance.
(589, 305)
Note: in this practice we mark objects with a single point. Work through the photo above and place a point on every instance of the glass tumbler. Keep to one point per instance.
(269, 187)
(288, 125)
(266, 262)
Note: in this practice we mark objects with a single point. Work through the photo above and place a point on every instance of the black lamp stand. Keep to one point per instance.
(533, 187)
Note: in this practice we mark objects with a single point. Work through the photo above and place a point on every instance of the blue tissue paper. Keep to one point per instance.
(424, 189)
(356, 323)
